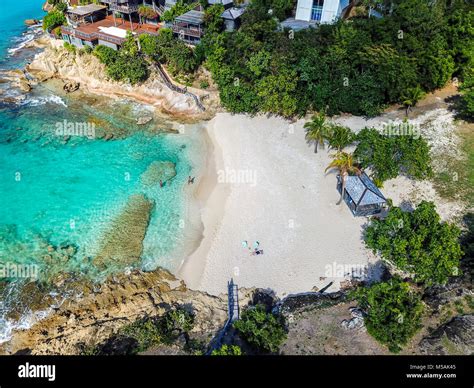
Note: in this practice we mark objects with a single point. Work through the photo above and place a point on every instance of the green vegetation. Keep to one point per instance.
(151, 331)
(393, 311)
(411, 97)
(212, 18)
(147, 12)
(357, 67)
(456, 180)
(346, 165)
(179, 8)
(264, 331)
(53, 19)
(227, 350)
(163, 48)
(418, 243)
(146, 332)
(467, 96)
(340, 137)
(390, 155)
(317, 130)
(69, 47)
(105, 54)
(125, 65)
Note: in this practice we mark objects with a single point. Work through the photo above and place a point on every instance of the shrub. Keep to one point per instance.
(265, 331)
(393, 312)
(389, 155)
(105, 54)
(69, 47)
(128, 68)
(177, 321)
(417, 242)
(178, 9)
(467, 97)
(145, 331)
(53, 19)
(204, 84)
(61, 7)
(227, 350)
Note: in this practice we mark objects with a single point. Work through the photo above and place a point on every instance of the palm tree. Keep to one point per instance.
(340, 137)
(411, 98)
(345, 163)
(317, 130)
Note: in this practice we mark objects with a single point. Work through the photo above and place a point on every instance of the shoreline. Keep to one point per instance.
(54, 61)
(233, 212)
(208, 191)
(322, 235)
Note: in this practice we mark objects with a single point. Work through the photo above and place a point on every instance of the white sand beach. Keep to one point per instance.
(269, 186)
(265, 183)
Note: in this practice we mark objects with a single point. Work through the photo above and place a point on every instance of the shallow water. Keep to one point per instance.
(62, 195)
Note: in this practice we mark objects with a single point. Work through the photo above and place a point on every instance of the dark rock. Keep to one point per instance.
(266, 298)
(437, 296)
(310, 301)
(71, 86)
(31, 22)
(119, 345)
(454, 337)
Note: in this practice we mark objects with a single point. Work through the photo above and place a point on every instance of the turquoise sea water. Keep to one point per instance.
(12, 28)
(58, 191)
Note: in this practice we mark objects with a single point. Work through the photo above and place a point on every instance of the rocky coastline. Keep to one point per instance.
(81, 69)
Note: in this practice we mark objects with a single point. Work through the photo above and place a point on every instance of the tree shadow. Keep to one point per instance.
(457, 106)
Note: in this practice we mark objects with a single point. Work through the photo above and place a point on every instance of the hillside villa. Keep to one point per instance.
(310, 13)
(107, 22)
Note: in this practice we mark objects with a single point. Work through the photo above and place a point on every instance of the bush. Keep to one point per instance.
(61, 7)
(180, 58)
(227, 350)
(128, 68)
(53, 19)
(177, 321)
(417, 243)
(69, 47)
(467, 97)
(204, 84)
(178, 9)
(145, 331)
(105, 54)
(389, 155)
(264, 331)
(393, 312)
(151, 331)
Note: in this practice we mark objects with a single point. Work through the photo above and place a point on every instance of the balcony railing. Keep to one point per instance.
(180, 30)
(92, 36)
(108, 38)
(124, 8)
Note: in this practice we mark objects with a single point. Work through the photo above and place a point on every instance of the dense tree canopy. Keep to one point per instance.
(467, 96)
(356, 67)
(417, 243)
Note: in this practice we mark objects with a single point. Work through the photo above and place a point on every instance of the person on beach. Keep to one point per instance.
(190, 180)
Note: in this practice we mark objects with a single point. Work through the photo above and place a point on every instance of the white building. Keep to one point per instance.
(320, 11)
